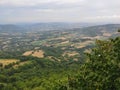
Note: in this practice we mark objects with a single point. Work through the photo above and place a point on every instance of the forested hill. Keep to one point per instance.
(107, 27)
(10, 28)
(99, 72)
(57, 26)
(99, 29)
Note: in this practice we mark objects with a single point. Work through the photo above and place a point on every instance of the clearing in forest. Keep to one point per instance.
(8, 61)
(36, 53)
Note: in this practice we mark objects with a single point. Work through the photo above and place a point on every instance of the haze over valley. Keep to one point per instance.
(59, 45)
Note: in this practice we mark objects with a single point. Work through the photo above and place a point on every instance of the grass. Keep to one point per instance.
(36, 53)
(8, 61)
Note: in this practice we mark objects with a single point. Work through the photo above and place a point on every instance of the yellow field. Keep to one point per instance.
(37, 53)
(83, 44)
(107, 34)
(27, 53)
(8, 61)
(71, 54)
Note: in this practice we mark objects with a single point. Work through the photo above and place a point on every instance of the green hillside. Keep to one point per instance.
(77, 59)
(99, 72)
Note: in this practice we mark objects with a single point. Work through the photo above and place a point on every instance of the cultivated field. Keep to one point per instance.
(8, 61)
(36, 53)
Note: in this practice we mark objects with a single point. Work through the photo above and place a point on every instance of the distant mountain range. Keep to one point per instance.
(99, 29)
(83, 27)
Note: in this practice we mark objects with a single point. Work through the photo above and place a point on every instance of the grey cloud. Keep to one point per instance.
(61, 10)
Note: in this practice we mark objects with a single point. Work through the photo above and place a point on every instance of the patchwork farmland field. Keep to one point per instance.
(56, 59)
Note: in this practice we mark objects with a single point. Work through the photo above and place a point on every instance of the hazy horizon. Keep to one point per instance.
(76, 23)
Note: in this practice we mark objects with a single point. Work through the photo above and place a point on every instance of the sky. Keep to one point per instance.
(19, 11)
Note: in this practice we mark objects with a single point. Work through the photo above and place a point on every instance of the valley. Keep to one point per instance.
(47, 60)
(54, 43)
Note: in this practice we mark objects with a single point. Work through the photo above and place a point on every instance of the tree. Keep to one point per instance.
(1, 65)
(118, 30)
(102, 68)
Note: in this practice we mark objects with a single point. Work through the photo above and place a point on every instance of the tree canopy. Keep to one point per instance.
(101, 70)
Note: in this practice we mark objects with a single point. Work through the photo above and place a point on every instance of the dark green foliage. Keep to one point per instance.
(1, 65)
(118, 30)
(52, 51)
(41, 74)
(102, 68)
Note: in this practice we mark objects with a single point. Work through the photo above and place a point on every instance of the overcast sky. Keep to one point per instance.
(16, 11)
